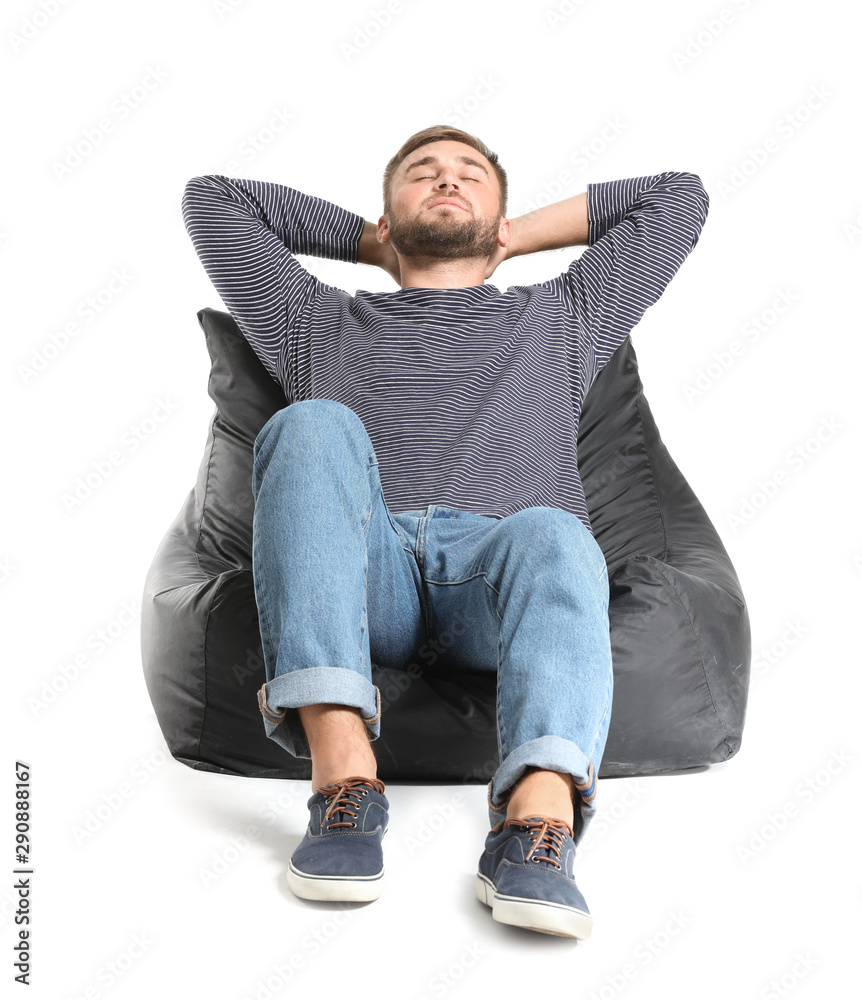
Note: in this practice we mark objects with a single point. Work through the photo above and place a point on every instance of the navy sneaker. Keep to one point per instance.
(526, 875)
(341, 855)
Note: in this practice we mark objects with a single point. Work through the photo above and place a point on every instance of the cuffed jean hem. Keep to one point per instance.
(551, 753)
(280, 698)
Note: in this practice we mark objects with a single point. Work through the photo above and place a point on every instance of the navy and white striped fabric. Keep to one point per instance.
(471, 396)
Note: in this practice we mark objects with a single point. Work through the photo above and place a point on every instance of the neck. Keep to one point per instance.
(461, 273)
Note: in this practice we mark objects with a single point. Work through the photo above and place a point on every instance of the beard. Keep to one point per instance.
(441, 235)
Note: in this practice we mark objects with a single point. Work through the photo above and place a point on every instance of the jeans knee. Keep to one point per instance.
(553, 532)
(309, 411)
(307, 415)
(312, 408)
(547, 524)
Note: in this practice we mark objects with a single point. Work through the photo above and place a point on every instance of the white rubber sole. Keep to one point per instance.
(352, 889)
(548, 918)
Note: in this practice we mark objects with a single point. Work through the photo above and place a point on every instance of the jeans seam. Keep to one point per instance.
(264, 632)
(376, 716)
(592, 780)
(421, 542)
(266, 711)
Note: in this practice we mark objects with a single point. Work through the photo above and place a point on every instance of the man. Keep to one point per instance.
(424, 475)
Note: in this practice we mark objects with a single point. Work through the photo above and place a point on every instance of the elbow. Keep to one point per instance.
(207, 186)
(193, 202)
(197, 191)
(692, 186)
(693, 202)
(193, 186)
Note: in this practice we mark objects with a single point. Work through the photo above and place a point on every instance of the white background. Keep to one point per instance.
(764, 106)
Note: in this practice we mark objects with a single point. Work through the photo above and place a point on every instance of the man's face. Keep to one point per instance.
(445, 204)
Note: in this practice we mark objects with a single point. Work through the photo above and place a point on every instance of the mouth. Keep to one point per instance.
(448, 201)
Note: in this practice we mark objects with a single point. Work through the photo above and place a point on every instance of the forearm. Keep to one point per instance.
(564, 224)
(641, 229)
(302, 223)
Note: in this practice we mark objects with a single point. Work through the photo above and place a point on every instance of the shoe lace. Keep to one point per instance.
(547, 836)
(343, 798)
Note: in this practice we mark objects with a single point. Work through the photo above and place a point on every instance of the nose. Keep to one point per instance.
(449, 179)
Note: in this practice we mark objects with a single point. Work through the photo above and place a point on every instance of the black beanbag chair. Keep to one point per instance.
(679, 624)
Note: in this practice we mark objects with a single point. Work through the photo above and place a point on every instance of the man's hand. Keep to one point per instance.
(369, 251)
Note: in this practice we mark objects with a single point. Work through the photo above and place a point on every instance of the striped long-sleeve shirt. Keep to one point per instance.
(471, 396)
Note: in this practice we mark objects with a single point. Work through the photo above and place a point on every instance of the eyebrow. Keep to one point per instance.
(433, 159)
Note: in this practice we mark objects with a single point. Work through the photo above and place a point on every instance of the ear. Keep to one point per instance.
(504, 233)
(383, 235)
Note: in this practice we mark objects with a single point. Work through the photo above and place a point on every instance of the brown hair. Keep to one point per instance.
(437, 133)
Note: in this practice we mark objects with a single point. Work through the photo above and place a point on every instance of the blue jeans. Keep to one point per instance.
(340, 581)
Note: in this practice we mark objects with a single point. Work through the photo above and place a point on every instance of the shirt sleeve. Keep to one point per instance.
(641, 229)
(246, 234)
